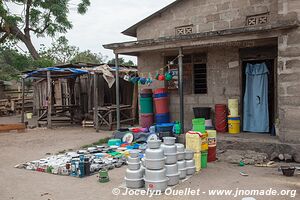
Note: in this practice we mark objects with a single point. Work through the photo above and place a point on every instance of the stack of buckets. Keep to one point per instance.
(233, 118)
(146, 108)
(161, 102)
(212, 145)
(221, 118)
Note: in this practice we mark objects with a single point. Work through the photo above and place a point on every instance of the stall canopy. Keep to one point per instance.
(55, 72)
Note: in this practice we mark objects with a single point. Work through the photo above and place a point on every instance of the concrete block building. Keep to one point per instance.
(219, 38)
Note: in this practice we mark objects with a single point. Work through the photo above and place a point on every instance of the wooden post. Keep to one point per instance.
(181, 95)
(96, 120)
(117, 91)
(23, 100)
(49, 117)
(134, 101)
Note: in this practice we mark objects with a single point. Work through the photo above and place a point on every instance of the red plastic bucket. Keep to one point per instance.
(221, 118)
(160, 91)
(146, 120)
(146, 91)
(161, 105)
(212, 154)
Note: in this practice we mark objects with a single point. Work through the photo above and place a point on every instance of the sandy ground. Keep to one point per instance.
(22, 184)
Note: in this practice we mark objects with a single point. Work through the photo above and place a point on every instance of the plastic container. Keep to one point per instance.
(212, 138)
(146, 105)
(160, 95)
(197, 158)
(233, 107)
(199, 128)
(193, 141)
(114, 142)
(146, 91)
(204, 142)
(146, 95)
(160, 90)
(202, 112)
(198, 121)
(234, 125)
(204, 159)
(221, 118)
(162, 118)
(212, 154)
(146, 120)
(161, 105)
(164, 127)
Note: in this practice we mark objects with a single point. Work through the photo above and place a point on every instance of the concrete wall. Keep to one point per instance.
(289, 75)
(205, 15)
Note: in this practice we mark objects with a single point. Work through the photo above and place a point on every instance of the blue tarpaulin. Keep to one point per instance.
(256, 112)
(59, 72)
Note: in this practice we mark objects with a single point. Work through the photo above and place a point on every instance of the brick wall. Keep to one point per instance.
(205, 15)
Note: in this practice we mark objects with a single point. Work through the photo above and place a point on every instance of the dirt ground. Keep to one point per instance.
(22, 184)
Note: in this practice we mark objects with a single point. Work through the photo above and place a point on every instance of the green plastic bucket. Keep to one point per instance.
(204, 159)
(199, 121)
(199, 128)
(146, 105)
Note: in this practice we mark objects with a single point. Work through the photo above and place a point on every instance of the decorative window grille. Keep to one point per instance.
(184, 30)
(260, 19)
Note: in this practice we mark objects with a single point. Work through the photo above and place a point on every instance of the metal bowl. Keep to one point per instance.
(155, 175)
(189, 154)
(133, 160)
(134, 154)
(134, 183)
(182, 173)
(155, 163)
(181, 164)
(190, 163)
(190, 171)
(173, 179)
(134, 174)
(154, 144)
(169, 148)
(154, 153)
(180, 156)
(156, 185)
(169, 140)
(172, 169)
(171, 158)
(180, 147)
(133, 166)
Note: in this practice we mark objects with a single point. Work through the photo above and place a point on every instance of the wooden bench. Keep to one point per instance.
(12, 127)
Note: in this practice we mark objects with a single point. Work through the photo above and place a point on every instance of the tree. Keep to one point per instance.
(88, 57)
(38, 17)
(121, 61)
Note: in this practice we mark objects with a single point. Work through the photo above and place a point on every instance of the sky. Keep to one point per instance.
(104, 22)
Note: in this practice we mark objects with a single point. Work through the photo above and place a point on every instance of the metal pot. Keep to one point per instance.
(173, 180)
(182, 173)
(169, 140)
(134, 154)
(154, 153)
(190, 163)
(134, 174)
(134, 166)
(180, 147)
(172, 169)
(189, 154)
(155, 175)
(134, 183)
(180, 156)
(190, 171)
(156, 185)
(181, 164)
(133, 160)
(169, 148)
(155, 163)
(154, 144)
(171, 158)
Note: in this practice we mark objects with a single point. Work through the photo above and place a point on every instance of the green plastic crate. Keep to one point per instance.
(199, 121)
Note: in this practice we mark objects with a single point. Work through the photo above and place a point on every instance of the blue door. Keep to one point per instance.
(256, 108)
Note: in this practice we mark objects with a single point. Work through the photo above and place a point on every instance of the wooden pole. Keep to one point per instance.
(117, 90)
(23, 100)
(181, 95)
(49, 117)
(96, 120)
(134, 100)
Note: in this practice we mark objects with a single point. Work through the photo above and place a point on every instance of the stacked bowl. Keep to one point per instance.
(190, 162)
(181, 160)
(134, 173)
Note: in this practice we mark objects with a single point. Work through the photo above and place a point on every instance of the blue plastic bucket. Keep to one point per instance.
(146, 95)
(160, 95)
(162, 118)
(165, 127)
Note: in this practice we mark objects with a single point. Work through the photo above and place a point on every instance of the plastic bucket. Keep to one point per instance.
(146, 95)
(221, 118)
(212, 138)
(199, 128)
(146, 91)
(212, 154)
(198, 158)
(146, 105)
(146, 120)
(204, 159)
(202, 112)
(160, 95)
(29, 115)
(199, 121)
(204, 142)
(162, 118)
(160, 90)
(234, 125)
(161, 105)
(165, 127)
(233, 107)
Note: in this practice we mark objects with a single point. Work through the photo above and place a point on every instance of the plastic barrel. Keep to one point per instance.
(161, 105)
(204, 159)
(146, 105)
(160, 95)
(146, 91)
(202, 112)
(212, 138)
(212, 154)
(221, 118)
(146, 95)
(233, 107)
(162, 118)
(234, 125)
(160, 91)
(146, 120)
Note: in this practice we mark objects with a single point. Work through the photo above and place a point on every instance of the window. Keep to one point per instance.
(200, 79)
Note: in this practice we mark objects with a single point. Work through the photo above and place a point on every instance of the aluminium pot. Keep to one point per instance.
(180, 155)
(180, 147)
(171, 158)
(189, 154)
(172, 169)
(156, 175)
(182, 173)
(181, 164)
(190, 163)
(169, 140)
(133, 160)
(134, 154)
(155, 163)
(154, 144)
(190, 170)
(169, 148)
(156, 185)
(134, 166)
(173, 179)
(134, 174)
(134, 183)
(154, 153)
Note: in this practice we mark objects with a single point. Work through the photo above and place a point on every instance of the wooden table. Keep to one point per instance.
(106, 115)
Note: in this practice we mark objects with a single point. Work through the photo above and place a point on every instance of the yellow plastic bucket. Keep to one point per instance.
(193, 141)
(29, 115)
(197, 158)
(233, 107)
(204, 142)
(234, 125)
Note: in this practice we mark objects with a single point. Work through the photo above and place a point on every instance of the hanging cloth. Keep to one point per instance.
(107, 75)
(256, 112)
